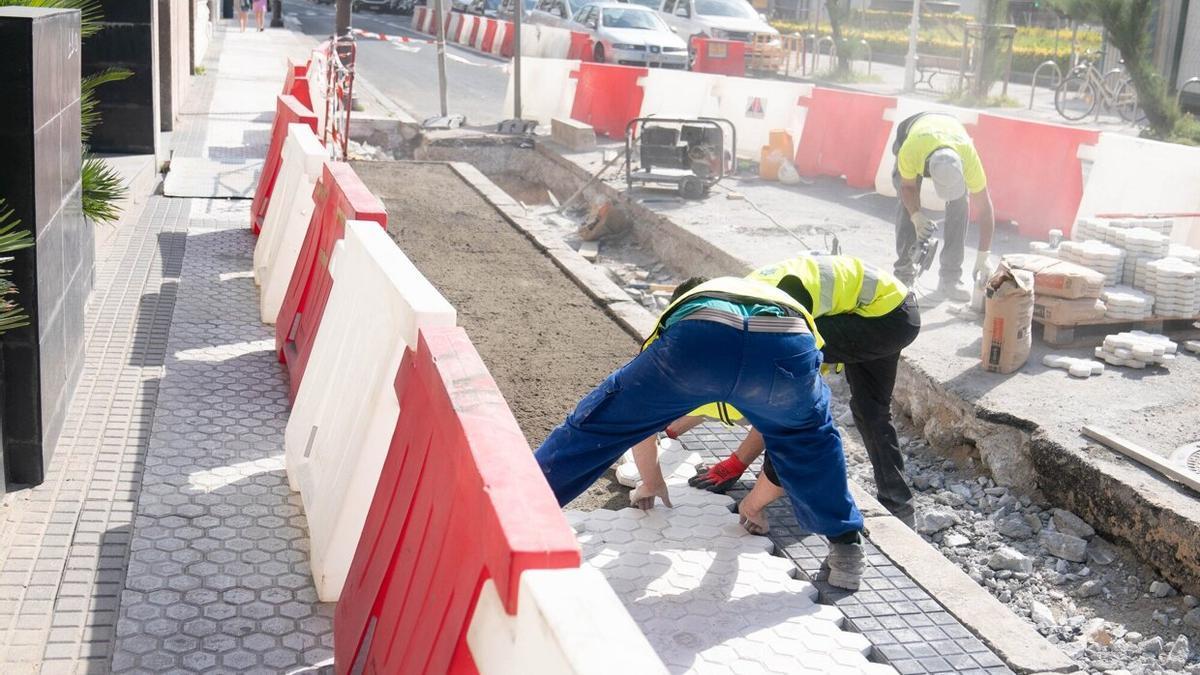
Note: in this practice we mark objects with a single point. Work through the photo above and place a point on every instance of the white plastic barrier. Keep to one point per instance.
(318, 64)
(757, 107)
(346, 410)
(677, 93)
(1135, 175)
(547, 89)
(546, 42)
(287, 218)
(569, 621)
(905, 108)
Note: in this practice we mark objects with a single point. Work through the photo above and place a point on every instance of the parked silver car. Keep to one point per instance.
(630, 35)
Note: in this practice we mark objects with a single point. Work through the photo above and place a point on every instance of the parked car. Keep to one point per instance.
(630, 35)
(488, 8)
(507, 7)
(720, 19)
(554, 12)
(395, 6)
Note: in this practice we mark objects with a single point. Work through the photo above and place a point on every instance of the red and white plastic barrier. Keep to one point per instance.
(288, 111)
(567, 621)
(844, 135)
(288, 215)
(719, 57)
(1135, 175)
(296, 82)
(460, 500)
(318, 80)
(756, 107)
(346, 410)
(495, 37)
(340, 196)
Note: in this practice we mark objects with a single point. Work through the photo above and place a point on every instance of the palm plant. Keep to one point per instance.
(102, 186)
(11, 240)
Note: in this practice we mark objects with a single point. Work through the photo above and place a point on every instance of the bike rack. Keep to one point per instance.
(795, 51)
(832, 52)
(1033, 85)
(1185, 85)
(811, 38)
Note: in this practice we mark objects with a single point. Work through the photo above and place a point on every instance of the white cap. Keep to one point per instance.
(946, 170)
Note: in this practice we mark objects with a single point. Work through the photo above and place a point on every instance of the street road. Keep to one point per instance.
(407, 73)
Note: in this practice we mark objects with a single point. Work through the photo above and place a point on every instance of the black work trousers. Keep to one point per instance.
(954, 239)
(870, 349)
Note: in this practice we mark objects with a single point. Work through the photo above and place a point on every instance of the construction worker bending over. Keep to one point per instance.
(936, 146)
(866, 317)
(735, 340)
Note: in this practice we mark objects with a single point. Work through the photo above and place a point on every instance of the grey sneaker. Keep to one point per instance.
(846, 563)
(954, 291)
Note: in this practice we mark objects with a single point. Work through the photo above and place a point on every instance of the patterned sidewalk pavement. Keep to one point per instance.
(165, 538)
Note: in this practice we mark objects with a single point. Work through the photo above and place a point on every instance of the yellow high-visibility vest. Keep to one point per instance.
(839, 284)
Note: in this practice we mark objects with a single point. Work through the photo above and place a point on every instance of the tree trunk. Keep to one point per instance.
(988, 50)
(837, 12)
(341, 20)
(1126, 22)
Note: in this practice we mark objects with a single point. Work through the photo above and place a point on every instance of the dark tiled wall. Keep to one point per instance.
(39, 140)
(129, 109)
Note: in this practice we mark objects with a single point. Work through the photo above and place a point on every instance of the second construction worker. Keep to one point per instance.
(866, 317)
(936, 146)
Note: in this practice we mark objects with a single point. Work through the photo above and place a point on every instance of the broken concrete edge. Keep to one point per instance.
(1013, 640)
(380, 131)
(1126, 502)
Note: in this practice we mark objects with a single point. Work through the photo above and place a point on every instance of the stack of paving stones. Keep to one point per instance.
(1126, 303)
(1105, 259)
(908, 628)
(1137, 349)
(1176, 287)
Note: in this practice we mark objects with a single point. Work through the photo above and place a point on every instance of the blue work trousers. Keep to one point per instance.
(772, 378)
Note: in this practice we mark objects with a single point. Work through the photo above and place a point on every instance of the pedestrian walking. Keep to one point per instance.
(243, 12)
(260, 11)
(736, 340)
(937, 146)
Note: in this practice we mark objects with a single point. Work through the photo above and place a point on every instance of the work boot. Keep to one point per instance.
(845, 564)
(954, 291)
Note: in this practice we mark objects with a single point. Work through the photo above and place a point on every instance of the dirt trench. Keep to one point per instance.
(545, 342)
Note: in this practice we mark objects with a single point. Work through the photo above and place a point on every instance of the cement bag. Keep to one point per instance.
(1063, 312)
(1058, 278)
(1008, 318)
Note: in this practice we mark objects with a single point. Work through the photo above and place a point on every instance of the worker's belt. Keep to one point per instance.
(754, 324)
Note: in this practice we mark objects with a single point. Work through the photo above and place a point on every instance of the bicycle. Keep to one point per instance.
(1085, 88)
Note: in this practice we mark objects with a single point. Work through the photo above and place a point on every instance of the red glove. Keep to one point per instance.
(720, 476)
(671, 433)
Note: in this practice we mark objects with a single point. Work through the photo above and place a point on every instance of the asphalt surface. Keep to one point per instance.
(407, 73)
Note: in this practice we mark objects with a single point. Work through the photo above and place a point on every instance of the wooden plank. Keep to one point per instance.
(1142, 456)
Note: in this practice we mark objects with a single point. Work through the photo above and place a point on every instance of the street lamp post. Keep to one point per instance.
(910, 59)
(517, 20)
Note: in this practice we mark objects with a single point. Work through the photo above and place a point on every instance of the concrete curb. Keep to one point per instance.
(1016, 642)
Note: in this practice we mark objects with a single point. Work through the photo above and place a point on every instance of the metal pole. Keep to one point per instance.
(518, 20)
(910, 59)
(341, 18)
(277, 14)
(441, 55)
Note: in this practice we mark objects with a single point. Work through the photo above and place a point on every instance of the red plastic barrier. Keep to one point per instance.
(339, 196)
(475, 31)
(418, 18)
(1033, 171)
(288, 110)
(507, 43)
(608, 97)
(296, 83)
(489, 35)
(581, 47)
(844, 135)
(460, 500)
(721, 57)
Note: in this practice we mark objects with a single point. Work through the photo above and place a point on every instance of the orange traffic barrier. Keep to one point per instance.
(844, 135)
(719, 57)
(608, 97)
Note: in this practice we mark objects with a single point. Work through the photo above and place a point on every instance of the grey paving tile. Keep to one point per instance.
(901, 620)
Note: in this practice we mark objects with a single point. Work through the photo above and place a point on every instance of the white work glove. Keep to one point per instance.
(923, 225)
(642, 496)
(982, 268)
